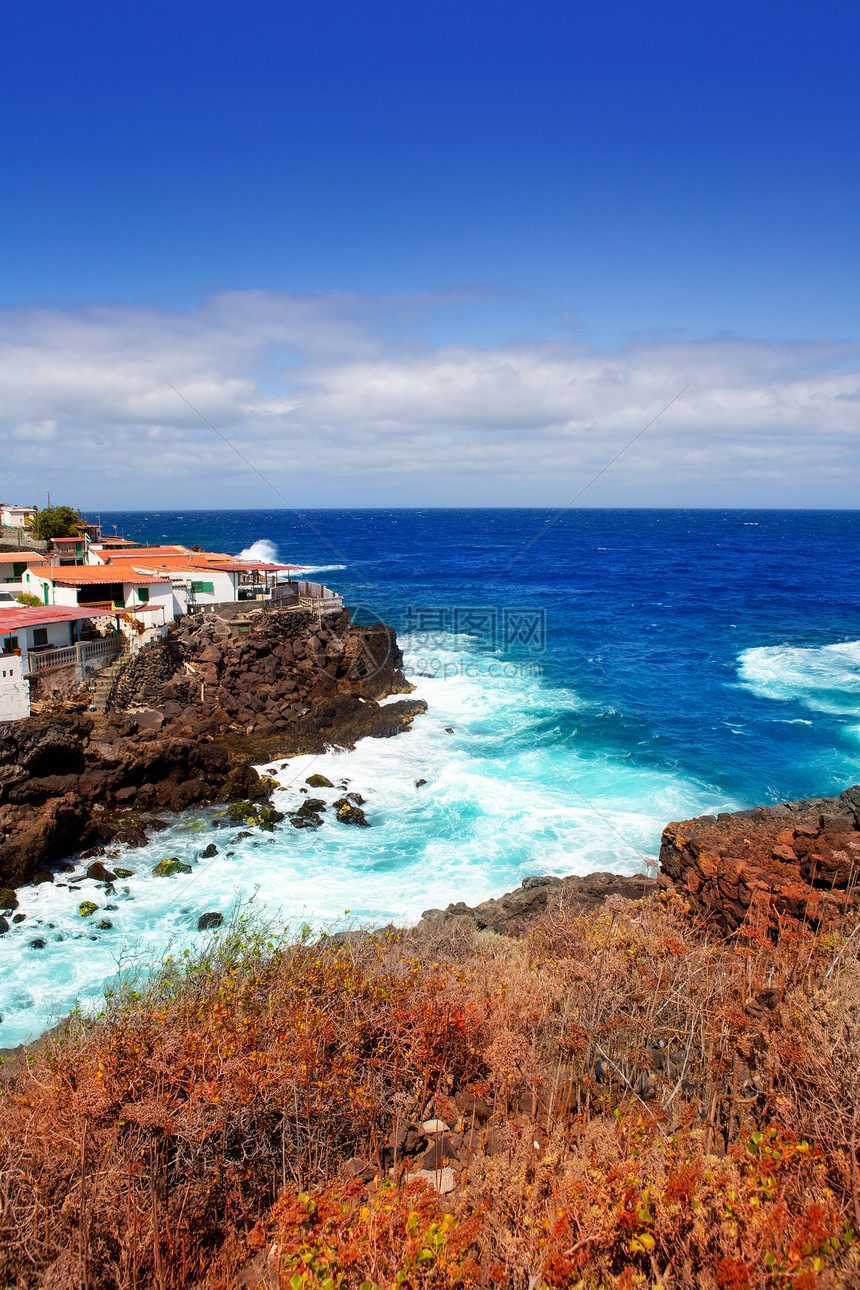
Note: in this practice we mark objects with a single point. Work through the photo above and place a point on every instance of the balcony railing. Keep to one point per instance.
(64, 656)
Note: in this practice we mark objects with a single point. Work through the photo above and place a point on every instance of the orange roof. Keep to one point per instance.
(159, 560)
(21, 557)
(78, 575)
(151, 552)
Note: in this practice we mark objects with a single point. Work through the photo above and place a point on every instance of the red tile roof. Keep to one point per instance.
(21, 557)
(24, 616)
(80, 574)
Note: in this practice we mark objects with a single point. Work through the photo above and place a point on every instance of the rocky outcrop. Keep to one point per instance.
(74, 780)
(510, 914)
(190, 716)
(792, 864)
(287, 684)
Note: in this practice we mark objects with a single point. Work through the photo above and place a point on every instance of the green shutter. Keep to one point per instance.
(143, 594)
(203, 588)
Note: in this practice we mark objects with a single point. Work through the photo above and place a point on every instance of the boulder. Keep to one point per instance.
(305, 821)
(98, 871)
(209, 920)
(352, 815)
(87, 908)
(169, 867)
(318, 781)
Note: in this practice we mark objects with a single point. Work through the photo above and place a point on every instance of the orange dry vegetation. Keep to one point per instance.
(631, 1102)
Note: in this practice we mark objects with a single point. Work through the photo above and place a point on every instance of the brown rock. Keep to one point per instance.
(784, 853)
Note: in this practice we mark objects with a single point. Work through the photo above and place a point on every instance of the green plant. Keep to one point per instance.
(56, 521)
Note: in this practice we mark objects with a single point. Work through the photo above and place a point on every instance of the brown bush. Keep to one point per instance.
(665, 1109)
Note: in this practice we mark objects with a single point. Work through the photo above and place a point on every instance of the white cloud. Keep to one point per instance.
(335, 393)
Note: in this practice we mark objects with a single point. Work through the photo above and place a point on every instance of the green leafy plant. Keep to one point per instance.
(56, 521)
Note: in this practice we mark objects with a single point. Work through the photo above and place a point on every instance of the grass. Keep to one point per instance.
(632, 1102)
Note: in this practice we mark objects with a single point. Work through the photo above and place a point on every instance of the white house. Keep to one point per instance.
(16, 517)
(14, 563)
(202, 578)
(104, 589)
(14, 690)
(30, 630)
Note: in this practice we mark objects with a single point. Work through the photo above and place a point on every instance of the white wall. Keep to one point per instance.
(59, 636)
(16, 517)
(160, 595)
(223, 585)
(14, 690)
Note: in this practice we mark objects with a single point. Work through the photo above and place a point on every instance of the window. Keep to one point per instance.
(143, 595)
(40, 636)
(203, 588)
(10, 644)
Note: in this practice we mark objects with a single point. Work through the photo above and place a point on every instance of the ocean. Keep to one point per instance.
(589, 675)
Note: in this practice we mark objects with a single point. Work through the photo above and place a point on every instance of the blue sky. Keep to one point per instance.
(453, 191)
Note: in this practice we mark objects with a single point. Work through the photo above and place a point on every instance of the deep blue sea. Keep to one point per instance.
(590, 675)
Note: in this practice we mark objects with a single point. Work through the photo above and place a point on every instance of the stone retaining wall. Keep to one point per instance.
(794, 863)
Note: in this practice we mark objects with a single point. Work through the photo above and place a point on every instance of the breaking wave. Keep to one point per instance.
(822, 679)
(262, 549)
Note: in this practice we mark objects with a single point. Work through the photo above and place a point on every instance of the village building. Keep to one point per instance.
(16, 517)
(105, 590)
(37, 642)
(13, 564)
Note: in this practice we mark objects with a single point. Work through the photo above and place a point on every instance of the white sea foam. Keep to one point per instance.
(321, 568)
(823, 679)
(502, 800)
(262, 550)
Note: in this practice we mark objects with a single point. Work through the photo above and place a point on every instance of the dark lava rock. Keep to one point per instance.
(8, 899)
(318, 781)
(313, 806)
(169, 867)
(306, 821)
(207, 921)
(38, 943)
(349, 799)
(100, 873)
(104, 925)
(510, 914)
(419, 783)
(40, 877)
(208, 852)
(352, 815)
(4, 926)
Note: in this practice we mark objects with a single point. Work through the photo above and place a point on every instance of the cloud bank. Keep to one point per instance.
(339, 401)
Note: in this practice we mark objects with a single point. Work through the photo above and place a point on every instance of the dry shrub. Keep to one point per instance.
(668, 1109)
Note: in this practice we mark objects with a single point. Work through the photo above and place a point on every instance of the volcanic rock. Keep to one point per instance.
(793, 864)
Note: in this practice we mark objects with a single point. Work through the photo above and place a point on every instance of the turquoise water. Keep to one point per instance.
(630, 668)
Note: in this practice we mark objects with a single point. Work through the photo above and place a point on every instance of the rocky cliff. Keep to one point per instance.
(189, 717)
(790, 864)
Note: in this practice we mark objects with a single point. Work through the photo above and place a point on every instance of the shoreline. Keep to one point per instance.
(788, 864)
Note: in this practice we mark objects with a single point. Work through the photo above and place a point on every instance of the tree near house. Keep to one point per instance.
(56, 521)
